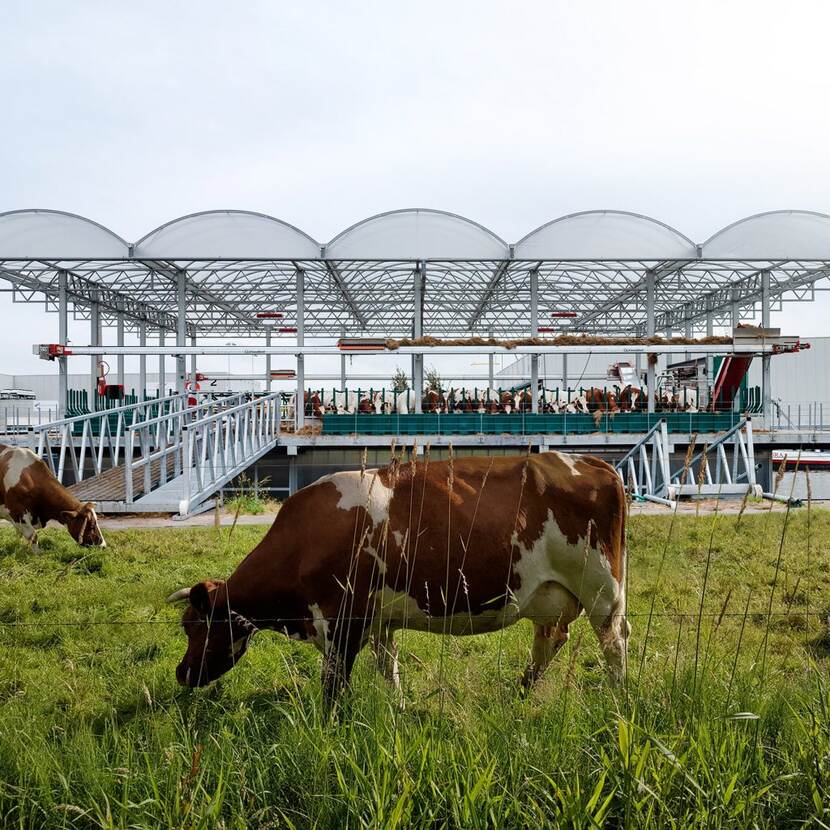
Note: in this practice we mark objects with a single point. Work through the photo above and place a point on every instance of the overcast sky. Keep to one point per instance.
(322, 113)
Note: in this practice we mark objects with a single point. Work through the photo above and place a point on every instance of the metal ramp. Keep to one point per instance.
(170, 458)
(724, 467)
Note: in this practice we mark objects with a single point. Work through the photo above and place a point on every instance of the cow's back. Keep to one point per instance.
(19, 470)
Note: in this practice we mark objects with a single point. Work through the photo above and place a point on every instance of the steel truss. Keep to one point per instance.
(459, 298)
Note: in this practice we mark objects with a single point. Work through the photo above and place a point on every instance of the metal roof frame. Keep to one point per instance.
(487, 290)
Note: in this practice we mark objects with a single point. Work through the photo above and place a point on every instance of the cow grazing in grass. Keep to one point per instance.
(465, 548)
(30, 496)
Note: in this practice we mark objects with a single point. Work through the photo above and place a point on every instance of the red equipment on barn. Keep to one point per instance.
(110, 391)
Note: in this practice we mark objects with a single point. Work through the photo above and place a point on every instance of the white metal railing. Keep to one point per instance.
(17, 419)
(75, 438)
(725, 467)
(799, 416)
(644, 469)
(160, 439)
(219, 447)
(712, 472)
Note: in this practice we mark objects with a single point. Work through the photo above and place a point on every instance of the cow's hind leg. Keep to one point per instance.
(547, 640)
(612, 631)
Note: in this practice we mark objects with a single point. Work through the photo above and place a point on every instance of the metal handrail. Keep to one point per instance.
(219, 446)
(188, 411)
(160, 438)
(108, 439)
(52, 425)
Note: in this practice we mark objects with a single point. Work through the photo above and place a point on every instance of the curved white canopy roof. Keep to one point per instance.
(605, 234)
(227, 234)
(417, 234)
(53, 234)
(782, 234)
(237, 263)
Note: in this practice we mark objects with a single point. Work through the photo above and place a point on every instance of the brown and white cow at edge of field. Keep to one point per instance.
(30, 496)
(465, 549)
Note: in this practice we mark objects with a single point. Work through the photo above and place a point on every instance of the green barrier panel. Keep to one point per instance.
(525, 424)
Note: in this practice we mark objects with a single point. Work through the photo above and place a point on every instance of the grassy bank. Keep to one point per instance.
(724, 722)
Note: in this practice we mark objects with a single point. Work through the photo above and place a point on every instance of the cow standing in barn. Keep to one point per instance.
(452, 548)
(30, 496)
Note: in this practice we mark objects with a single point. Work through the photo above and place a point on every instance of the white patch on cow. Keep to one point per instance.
(95, 524)
(17, 460)
(364, 490)
(381, 564)
(321, 626)
(569, 460)
(398, 537)
(4, 514)
(580, 569)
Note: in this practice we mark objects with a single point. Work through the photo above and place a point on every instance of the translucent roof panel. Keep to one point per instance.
(52, 234)
(227, 234)
(791, 234)
(607, 234)
(417, 234)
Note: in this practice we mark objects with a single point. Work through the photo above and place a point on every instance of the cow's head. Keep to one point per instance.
(217, 636)
(82, 525)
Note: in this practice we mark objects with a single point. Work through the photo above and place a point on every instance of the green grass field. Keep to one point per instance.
(724, 721)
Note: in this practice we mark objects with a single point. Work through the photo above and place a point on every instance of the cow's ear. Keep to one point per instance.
(68, 515)
(203, 596)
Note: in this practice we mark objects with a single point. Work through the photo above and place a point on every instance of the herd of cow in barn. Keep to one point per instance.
(495, 401)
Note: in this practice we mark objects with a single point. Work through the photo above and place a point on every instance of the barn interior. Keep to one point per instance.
(372, 342)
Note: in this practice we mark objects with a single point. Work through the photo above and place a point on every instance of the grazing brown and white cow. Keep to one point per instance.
(460, 549)
(30, 496)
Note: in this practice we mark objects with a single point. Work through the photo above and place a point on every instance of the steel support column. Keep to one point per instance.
(299, 408)
(343, 364)
(418, 332)
(142, 360)
(268, 361)
(687, 328)
(292, 475)
(650, 378)
(765, 360)
(94, 340)
(491, 374)
(193, 361)
(534, 332)
(181, 329)
(119, 339)
(162, 375)
(735, 309)
(63, 336)
(710, 331)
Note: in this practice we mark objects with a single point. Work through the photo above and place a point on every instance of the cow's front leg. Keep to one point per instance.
(386, 657)
(547, 640)
(338, 662)
(25, 528)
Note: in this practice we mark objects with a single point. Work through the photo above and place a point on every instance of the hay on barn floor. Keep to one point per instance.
(559, 340)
